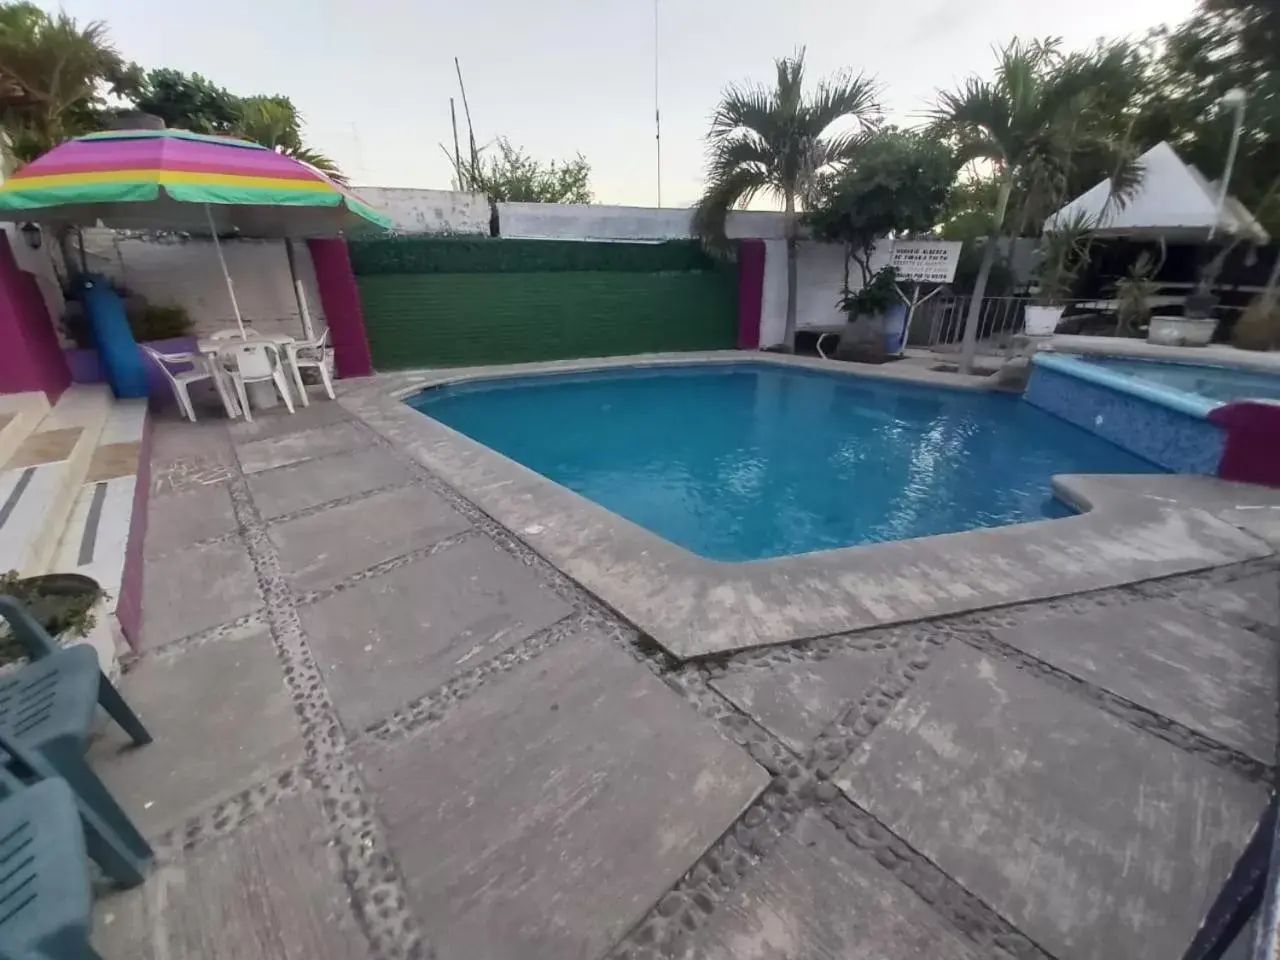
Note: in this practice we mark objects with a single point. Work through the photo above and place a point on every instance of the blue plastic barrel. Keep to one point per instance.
(121, 358)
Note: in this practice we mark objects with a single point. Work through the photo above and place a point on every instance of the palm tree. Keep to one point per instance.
(53, 73)
(1044, 121)
(778, 142)
(274, 123)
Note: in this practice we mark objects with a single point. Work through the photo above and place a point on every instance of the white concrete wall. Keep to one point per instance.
(170, 269)
(603, 222)
(819, 282)
(430, 211)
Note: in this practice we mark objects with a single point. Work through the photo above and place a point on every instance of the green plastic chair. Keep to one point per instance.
(46, 716)
(45, 897)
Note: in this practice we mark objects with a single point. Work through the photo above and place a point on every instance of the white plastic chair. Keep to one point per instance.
(180, 381)
(309, 353)
(255, 361)
(234, 334)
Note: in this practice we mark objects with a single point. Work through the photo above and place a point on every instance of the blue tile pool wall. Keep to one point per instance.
(1169, 438)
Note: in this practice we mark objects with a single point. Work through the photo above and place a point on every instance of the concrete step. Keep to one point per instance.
(42, 476)
(20, 414)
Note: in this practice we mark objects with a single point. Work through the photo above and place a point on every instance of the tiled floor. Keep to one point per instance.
(385, 728)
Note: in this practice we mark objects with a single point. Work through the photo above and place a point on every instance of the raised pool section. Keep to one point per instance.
(1145, 415)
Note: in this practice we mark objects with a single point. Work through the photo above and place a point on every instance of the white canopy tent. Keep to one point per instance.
(1174, 203)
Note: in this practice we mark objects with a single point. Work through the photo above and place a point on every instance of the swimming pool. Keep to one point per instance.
(1214, 383)
(747, 461)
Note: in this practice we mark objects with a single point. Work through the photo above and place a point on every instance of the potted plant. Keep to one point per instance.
(69, 606)
(862, 338)
(1133, 297)
(1064, 252)
(1196, 326)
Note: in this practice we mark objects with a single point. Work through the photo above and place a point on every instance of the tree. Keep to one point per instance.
(896, 184)
(515, 177)
(188, 101)
(780, 141)
(1226, 44)
(54, 76)
(1036, 123)
(274, 123)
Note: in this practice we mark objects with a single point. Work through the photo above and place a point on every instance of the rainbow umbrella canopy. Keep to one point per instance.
(190, 182)
(164, 180)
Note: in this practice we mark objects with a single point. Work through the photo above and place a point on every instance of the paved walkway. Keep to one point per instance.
(385, 729)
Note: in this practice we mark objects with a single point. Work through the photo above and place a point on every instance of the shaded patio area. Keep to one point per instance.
(386, 728)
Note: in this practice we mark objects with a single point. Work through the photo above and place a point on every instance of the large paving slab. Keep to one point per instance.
(309, 484)
(271, 890)
(1254, 600)
(546, 814)
(280, 451)
(222, 719)
(319, 549)
(278, 421)
(796, 700)
(1215, 678)
(392, 638)
(188, 591)
(819, 897)
(1096, 840)
(187, 516)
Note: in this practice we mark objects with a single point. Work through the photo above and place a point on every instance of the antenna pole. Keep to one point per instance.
(657, 115)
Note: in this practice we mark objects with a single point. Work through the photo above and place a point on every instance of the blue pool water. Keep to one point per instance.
(746, 461)
(1210, 382)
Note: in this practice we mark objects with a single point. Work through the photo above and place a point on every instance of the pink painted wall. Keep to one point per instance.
(751, 255)
(1252, 454)
(129, 605)
(341, 301)
(30, 356)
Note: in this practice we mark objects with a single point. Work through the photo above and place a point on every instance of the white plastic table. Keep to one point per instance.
(262, 394)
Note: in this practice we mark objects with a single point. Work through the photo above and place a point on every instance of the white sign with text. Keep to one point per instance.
(926, 261)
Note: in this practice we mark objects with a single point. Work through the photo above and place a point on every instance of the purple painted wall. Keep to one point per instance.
(1252, 454)
(30, 356)
(86, 367)
(341, 301)
(750, 291)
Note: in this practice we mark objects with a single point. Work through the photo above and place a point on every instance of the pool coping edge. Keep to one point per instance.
(1136, 528)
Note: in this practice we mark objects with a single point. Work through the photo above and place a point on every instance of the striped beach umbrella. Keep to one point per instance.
(177, 180)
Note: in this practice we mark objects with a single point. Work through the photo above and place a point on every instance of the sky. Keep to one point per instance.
(373, 78)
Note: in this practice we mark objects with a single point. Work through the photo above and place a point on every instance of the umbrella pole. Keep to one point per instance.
(226, 274)
(308, 331)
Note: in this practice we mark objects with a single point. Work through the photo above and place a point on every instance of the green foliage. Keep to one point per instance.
(1259, 326)
(896, 183)
(876, 297)
(159, 322)
(63, 612)
(1043, 123)
(1064, 253)
(55, 75)
(1133, 293)
(512, 176)
(188, 101)
(779, 142)
(1186, 69)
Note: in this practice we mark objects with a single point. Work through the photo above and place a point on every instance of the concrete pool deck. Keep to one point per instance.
(695, 607)
(386, 728)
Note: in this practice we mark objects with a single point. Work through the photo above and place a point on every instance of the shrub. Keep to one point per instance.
(61, 610)
(1259, 326)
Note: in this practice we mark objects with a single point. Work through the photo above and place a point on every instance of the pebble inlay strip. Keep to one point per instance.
(371, 876)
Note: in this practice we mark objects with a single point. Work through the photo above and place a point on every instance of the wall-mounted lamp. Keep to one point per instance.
(31, 234)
